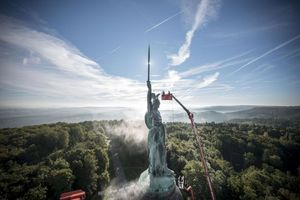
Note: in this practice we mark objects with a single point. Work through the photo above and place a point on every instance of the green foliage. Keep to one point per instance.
(60, 178)
(195, 176)
(41, 162)
(249, 159)
(84, 166)
(36, 193)
(245, 161)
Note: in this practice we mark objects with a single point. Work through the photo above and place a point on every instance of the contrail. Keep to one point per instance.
(162, 22)
(267, 53)
(110, 52)
(114, 50)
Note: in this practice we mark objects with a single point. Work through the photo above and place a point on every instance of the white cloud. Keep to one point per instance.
(31, 60)
(203, 86)
(208, 80)
(69, 73)
(228, 62)
(56, 51)
(213, 67)
(46, 71)
(206, 9)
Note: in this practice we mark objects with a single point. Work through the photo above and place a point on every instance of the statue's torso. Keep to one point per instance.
(153, 118)
(156, 118)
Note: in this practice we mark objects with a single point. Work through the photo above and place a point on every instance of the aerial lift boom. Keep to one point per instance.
(170, 96)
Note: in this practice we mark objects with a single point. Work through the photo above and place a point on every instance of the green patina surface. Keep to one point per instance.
(158, 178)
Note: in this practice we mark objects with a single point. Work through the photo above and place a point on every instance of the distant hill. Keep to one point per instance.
(24, 117)
(220, 113)
(277, 112)
(11, 118)
(226, 109)
(211, 116)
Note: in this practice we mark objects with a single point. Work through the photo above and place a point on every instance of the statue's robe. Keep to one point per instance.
(156, 143)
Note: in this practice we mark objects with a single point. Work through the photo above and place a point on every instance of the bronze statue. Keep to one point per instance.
(156, 136)
(158, 179)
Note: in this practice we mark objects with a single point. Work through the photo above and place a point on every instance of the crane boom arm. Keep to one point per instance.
(201, 151)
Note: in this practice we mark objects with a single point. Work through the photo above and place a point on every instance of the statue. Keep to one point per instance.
(156, 136)
(158, 178)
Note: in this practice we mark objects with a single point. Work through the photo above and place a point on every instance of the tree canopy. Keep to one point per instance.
(245, 160)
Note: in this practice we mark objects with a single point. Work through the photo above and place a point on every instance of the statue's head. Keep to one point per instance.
(155, 101)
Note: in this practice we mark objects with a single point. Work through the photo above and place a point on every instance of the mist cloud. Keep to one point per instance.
(129, 191)
(134, 132)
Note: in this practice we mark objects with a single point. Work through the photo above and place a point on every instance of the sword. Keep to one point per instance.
(149, 104)
(149, 63)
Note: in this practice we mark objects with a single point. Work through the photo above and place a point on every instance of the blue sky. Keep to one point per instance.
(93, 53)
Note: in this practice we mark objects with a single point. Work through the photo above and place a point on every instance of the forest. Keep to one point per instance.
(247, 159)
(41, 162)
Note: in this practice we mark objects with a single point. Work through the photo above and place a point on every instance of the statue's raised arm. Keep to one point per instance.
(148, 115)
(149, 95)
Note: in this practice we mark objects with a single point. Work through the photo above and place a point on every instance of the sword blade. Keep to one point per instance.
(149, 63)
